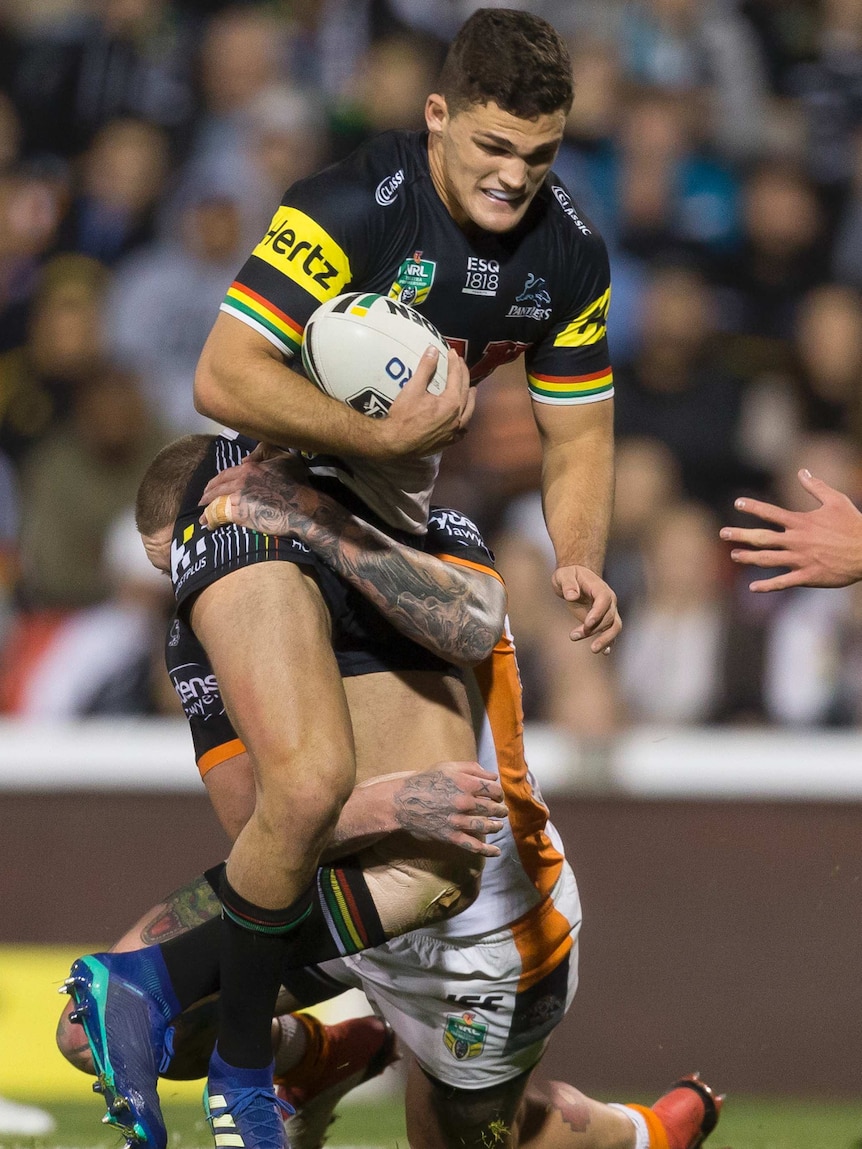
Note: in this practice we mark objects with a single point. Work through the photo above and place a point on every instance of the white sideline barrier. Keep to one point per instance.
(156, 755)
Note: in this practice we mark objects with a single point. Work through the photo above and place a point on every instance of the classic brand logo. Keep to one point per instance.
(414, 279)
(464, 1036)
(565, 201)
(387, 189)
(299, 248)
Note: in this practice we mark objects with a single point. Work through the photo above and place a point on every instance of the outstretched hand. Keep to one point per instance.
(593, 603)
(821, 547)
(453, 802)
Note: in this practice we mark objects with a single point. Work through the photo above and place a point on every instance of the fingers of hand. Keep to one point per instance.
(219, 512)
(761, 558)
(767, 511)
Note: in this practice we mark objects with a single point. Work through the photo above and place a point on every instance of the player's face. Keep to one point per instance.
(487, 164)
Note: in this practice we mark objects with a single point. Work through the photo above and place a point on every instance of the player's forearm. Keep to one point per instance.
(245, 384)
(577, 497)
(453, 611)
(367, 816)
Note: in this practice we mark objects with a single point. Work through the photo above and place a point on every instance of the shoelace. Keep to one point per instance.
(242, 1099)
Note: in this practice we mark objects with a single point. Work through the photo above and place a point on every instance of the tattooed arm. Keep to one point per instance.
(455, 611)
(454, 802)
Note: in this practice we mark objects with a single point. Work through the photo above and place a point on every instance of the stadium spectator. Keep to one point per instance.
(678, 389)
(64, 343)
(672, 664)
(707, 52)
(75, 482)
(648, 480)
(828, 357)
(829, 89)
(104, 659)
(32, 202)
(77, 71)
(162, 298)
(120, 178)
(783, 253)
(244, 52)
(387, 90)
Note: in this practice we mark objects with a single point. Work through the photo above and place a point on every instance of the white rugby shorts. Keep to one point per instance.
(476, 1011)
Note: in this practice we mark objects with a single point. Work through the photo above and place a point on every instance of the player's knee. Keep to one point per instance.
(308, 810)
(72, 1042)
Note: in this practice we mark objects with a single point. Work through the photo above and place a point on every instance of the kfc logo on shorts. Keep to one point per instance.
(387, 189)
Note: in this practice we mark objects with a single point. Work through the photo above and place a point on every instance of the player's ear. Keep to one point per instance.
(436, 113)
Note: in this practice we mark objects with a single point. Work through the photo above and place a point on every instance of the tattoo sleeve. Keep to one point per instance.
(454, 612)
(181, 911)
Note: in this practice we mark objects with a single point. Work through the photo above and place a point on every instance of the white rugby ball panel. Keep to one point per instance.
(361, 348)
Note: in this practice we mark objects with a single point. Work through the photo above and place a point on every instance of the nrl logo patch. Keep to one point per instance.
(464, 1036)
(415, 276)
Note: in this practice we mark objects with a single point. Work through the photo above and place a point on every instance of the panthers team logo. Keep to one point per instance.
(464, 1036)
(415, 276)
(534, 302)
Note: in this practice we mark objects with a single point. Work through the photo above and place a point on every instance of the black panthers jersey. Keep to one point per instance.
(374, 222)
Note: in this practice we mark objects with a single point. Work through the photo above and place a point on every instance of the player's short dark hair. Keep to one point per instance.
(511, 58)
(161, 489)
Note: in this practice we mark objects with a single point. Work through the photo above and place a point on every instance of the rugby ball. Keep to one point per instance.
(362, 348)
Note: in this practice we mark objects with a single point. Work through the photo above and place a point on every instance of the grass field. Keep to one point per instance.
(747, 1123)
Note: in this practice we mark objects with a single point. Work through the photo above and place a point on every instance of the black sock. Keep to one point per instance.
(252, 945)
(193, 962)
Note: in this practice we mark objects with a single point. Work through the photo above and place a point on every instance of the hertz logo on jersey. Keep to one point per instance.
(588, 327)
(300, 249)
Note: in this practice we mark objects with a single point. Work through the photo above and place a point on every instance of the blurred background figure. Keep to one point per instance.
(63, 341)
(100, 660)
(679, 389)
(75, 482)
(673, 663)
(159, 310)
(120, 178)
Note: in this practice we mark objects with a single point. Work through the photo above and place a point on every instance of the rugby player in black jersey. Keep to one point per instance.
(467, 223)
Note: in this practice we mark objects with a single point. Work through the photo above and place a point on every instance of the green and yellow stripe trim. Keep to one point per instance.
(251, 308)
(343, 910)
(572, 388)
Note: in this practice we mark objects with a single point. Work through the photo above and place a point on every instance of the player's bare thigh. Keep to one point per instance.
(266, 631)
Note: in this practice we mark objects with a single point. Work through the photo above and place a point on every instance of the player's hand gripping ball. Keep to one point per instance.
(362, 349)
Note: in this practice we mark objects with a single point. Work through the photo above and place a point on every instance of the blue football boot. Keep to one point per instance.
(125, 1003)
(242, 1108)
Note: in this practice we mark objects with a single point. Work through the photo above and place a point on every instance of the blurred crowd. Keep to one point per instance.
(717, 144)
